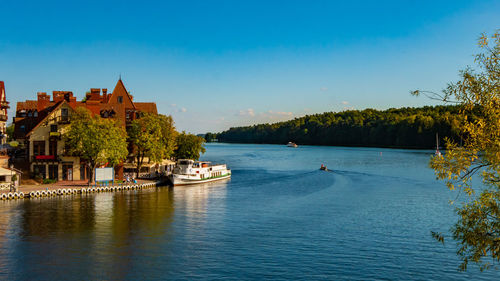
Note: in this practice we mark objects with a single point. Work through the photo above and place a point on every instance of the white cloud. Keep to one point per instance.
(247, 112)
(345, 102)
(278, 113)
(323, 89)
(176, 108)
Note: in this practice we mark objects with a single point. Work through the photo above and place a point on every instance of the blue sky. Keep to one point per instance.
(217, 64)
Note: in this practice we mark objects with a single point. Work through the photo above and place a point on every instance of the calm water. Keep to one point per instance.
(279, 217)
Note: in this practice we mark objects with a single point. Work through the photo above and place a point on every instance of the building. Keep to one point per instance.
(4, 105)
(39, 125)
(6, 170)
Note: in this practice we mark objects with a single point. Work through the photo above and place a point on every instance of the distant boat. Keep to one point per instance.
(437, 153)
(291, 144)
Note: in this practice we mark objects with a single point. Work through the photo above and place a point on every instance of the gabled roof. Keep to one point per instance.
(120, 90)
(58, 105)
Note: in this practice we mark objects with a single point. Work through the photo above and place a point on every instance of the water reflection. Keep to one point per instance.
(101, 232)
(195, 198)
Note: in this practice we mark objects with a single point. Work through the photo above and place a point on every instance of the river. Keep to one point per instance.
(279, 217)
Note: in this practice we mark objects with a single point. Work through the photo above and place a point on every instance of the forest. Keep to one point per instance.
(396, 127)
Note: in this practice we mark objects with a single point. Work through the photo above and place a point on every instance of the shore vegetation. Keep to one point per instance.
(477, 95)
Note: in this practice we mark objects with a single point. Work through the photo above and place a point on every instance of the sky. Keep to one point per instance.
(213, 65)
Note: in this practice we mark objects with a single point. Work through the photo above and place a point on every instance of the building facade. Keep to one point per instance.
(40, 124)
(4, 105)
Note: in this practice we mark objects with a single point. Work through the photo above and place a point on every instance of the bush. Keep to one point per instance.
(49, 181)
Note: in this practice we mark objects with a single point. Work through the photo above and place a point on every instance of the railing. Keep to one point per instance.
(45, 158)
(4, 104)
(62, 119)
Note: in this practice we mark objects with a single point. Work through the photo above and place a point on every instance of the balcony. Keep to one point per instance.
(4, 105)
(55, 134)
(62, 119)
(45, 158)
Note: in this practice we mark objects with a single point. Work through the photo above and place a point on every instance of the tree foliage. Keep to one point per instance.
(403, 127)
(189, 146)
(152, 136)
(95, 140)
(10, 132)
(477, 230)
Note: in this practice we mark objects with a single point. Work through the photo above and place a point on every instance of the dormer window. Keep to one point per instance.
(120, 99)
(35, 114)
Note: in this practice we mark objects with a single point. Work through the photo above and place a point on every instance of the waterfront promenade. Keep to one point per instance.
(26, 189)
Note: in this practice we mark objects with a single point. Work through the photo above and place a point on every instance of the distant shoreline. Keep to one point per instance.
(320, 145)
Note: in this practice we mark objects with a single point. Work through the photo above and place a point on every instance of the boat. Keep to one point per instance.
(323, 168)
(437, 153)
(291, 144)
(188, 171)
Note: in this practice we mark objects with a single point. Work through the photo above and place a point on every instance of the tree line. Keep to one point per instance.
(396, 127)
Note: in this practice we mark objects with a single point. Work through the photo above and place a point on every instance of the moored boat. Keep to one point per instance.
(291, 144)
(437, 153)
(195, 172)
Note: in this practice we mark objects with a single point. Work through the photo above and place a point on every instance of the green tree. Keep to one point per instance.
(10, 132)
(95, 140)
(152, 136)
(189, 146)
(477, 230)
(169, 134)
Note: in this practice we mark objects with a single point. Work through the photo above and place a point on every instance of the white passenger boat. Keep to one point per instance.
(195, 172)
(291, 144)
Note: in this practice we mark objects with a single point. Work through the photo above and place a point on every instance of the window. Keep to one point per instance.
(23, 128)
(120, 99)
(35, 114)
(29, 114)
(52, 147)
(67, 172)
(39, 148)
(64, 115)
(53, 172)
(53, 128)
(39, 170)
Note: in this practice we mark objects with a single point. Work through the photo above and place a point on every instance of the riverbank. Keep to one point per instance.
(40, 191)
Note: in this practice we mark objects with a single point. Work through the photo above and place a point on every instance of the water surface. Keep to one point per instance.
(279, 217)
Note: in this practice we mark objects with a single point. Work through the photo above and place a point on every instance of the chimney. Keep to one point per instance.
(43, 101)
(105, 97)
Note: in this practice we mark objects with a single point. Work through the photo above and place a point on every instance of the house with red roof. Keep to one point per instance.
(40, 123)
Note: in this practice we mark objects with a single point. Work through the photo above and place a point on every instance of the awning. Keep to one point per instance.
(7, 172)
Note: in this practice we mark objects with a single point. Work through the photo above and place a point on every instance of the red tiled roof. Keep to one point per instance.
(149, 107)
(94, 105)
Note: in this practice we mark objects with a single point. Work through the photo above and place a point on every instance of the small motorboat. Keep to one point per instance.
(291, 144)
(323, 168)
